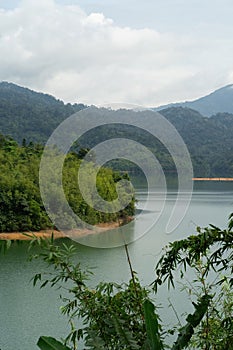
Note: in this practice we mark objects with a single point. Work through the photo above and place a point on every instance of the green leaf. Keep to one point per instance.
(49, 343)
(152, 327)
(193, 321)
(230, 224)
(125, 336)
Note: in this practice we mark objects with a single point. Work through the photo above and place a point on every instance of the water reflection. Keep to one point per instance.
(112, 238)
(28, 312)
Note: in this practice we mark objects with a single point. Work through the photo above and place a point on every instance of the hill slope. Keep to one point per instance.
(25, 114)
(28, 114)
(209, 140)
(218, 101)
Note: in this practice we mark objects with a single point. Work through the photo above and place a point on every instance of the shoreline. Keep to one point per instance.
(212, 179)
(78, 233)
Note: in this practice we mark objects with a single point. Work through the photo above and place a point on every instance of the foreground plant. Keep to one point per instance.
(123, 316)
(211, 245)
(215, 331)
(115, 316)
(210, 255)
(112, 314)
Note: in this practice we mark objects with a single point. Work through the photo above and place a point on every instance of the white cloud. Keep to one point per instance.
(87, 58)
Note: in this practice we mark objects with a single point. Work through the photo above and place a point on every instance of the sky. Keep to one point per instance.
(148, 53)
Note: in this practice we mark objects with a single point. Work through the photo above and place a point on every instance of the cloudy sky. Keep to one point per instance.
(147, 52)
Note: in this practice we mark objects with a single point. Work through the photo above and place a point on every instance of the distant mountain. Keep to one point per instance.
(31, 115)
(209, 140)
(219, 101)
(26, 114)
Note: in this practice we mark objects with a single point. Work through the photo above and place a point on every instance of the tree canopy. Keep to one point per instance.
(21, 206)
(25, 114)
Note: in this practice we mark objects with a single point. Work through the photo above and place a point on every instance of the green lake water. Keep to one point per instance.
(26, 312)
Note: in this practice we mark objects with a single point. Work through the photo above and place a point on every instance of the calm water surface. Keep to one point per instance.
(27, 312)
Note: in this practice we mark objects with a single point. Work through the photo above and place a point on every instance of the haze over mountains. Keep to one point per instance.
(220, 100)
(25, 114)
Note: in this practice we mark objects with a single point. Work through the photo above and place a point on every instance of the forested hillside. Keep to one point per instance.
(25, 114)
(209, 140)
(21, 207)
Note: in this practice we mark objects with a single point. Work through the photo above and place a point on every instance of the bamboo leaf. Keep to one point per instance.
(125, 336)
(152, 327)
(193, 321)
(49, 343)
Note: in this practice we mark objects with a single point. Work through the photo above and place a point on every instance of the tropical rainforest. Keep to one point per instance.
(21, 206)
(117, 316)
(25, 114)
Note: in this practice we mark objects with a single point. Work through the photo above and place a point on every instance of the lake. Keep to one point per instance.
(28, 312)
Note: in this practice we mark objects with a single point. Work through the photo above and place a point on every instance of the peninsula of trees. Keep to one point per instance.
(21, 206)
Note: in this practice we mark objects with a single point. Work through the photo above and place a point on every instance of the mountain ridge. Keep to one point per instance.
(218, 101)
(26, 114)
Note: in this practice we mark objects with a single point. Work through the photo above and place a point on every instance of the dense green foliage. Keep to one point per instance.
(21, 207)
(209, 140)
(210, 254)
(115, 316)
(184, 253)
(111, 131)
(25, 114)
(215, 331)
